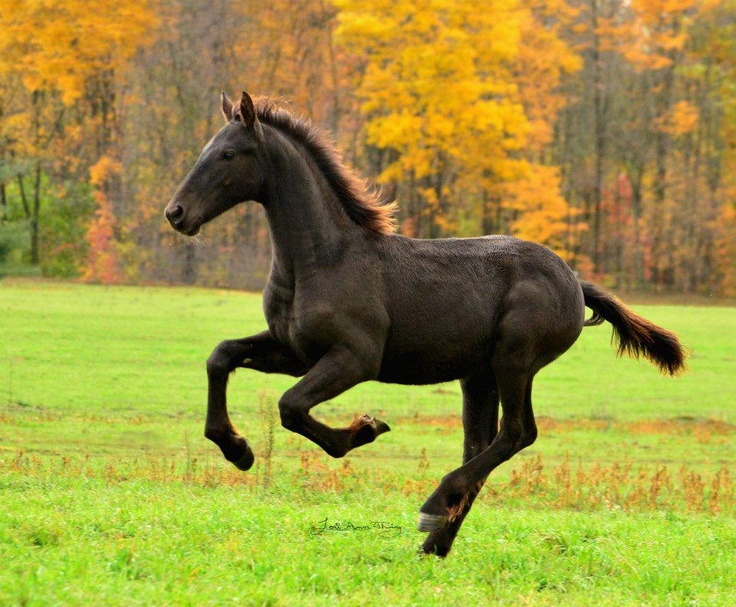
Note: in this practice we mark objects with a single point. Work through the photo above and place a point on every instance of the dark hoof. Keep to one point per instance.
(430, 522)
(381, 427)
(239, 453)
(245, 462)
(367, 429)
(430, 548)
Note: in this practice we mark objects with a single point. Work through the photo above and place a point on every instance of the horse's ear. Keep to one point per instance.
(227, 107)
(246, 113)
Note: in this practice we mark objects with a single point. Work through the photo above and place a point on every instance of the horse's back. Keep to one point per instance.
(447, 299)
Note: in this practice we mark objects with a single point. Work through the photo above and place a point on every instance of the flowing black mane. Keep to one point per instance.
(362, 206)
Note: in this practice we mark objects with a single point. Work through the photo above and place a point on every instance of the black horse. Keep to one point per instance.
(348, 301)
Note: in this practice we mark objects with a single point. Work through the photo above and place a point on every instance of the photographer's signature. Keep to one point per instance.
(382, 528)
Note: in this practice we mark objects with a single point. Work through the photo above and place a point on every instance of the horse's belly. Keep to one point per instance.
(417, 369)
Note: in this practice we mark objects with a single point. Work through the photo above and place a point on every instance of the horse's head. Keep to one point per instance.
(227, 172)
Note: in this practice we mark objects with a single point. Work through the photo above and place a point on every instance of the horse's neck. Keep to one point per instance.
(308, 227)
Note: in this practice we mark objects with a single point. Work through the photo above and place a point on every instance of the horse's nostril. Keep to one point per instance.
(175, 214)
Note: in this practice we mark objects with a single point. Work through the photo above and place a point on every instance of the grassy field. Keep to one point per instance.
(109, 494)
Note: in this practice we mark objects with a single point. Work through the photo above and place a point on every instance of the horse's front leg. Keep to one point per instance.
(337, 371)
(260, 352)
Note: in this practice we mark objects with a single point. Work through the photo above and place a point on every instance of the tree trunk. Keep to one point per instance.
(32, 209)
(636, 178)
(600, 139)
(3, 202)
(35, 217)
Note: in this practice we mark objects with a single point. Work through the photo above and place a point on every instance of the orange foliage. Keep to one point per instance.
(462, 92)
(659, 32)
(725, 250)
(102, 258)
(541, 213)
(455, 106)
(57, 44)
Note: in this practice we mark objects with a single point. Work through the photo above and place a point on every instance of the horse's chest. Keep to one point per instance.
(280, 316)
(297, 326)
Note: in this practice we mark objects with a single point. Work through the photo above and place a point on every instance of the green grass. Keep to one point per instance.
(110, 495)
(88, 541)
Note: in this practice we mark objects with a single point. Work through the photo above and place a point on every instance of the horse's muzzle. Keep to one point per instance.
(175, 214)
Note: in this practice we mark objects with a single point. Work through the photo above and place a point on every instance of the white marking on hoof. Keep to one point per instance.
(430, 522)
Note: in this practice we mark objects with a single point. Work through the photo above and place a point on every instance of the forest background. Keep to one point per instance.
(604, 129)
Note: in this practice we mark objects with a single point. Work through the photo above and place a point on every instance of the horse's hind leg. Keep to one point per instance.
(480, 424)
(517, 430)
(259, 352)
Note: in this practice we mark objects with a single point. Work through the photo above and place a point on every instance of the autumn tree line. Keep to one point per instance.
(604, 129)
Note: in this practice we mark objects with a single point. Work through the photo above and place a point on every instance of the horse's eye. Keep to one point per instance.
(228, 155)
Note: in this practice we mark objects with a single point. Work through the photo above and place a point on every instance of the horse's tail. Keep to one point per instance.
(635, 335)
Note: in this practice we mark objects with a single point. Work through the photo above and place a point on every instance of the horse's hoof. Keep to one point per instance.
(430, 522)
(380, 427)
(366, 422)
(245, 463)
(245, 460)
(366, 429)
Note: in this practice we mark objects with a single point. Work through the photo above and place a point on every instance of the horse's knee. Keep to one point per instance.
(215, 362)
(219, 362)
(289, 414)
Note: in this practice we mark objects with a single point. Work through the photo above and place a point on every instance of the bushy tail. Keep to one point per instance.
(636, 336)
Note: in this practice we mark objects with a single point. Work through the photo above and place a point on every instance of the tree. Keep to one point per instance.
(602, 128)
(441, 90)
(66, 56)
(102, 259)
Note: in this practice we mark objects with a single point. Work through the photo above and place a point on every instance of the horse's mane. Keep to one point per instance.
(361, 204)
